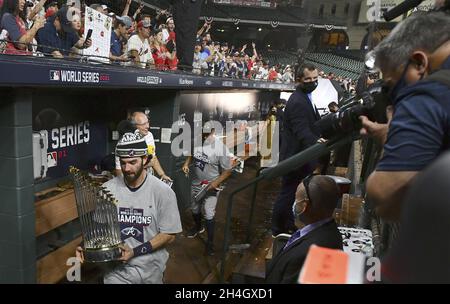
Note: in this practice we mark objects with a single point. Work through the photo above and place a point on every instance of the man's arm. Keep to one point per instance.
(255, 53)
(138, 11)
(123, 57)
(28, 36)
(201, 30)
(36, 9)
(414, 140)
(158, 168)
(83, 44)
(300, 125)
(386, 190)
(376, 130)
(186, 165)
(157, 242)
(222, 177)
(161, 240)
(126, 8)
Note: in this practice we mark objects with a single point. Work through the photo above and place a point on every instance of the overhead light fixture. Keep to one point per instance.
(237, 27)
(260, 29)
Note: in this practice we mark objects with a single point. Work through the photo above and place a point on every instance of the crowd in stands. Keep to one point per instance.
(43, 28)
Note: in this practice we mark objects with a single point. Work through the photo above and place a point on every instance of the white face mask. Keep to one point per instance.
(294, 212)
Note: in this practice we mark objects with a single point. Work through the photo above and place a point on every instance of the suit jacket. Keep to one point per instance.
(299, 131)
(286, 265)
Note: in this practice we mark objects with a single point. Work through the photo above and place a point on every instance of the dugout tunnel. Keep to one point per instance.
(71, 111)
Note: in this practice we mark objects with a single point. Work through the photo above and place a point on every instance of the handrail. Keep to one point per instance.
(284, 167)
(252, 206)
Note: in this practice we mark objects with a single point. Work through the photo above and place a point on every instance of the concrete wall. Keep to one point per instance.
(17, 216)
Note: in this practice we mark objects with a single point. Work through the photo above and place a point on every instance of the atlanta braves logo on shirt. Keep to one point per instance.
(200, 160)
(132, 222)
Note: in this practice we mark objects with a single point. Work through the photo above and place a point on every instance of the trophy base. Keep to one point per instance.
(102, 255)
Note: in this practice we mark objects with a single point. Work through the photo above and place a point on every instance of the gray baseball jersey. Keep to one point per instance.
(208, 158)
(143, 213)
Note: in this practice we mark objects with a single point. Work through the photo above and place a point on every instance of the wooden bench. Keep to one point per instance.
(55, 211)
(52, 268)
(52, 213)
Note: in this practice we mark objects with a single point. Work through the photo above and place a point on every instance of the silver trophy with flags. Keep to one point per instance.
(99, 222)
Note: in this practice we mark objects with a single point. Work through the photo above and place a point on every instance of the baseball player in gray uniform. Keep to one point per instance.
(148, 217)
(212, 166)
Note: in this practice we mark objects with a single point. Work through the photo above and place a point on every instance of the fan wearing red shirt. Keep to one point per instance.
(273, 74)
(160, 53)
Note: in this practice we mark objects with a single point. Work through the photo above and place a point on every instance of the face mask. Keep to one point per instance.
(295, 212)
(393, 92)
(308, 87)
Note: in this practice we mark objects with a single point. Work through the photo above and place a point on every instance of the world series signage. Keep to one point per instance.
(22, 71)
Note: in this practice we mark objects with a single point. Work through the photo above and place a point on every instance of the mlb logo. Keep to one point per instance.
(54, 75)
(52, 159)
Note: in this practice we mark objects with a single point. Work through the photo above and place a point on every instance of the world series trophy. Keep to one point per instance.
(99, 222)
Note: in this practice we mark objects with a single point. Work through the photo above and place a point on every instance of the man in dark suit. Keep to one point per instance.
(314, 204)
(298, 134)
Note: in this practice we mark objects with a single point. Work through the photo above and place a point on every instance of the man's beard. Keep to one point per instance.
(131, 178)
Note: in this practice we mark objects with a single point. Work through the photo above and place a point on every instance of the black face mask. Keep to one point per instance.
(308, 87)
(401, 83)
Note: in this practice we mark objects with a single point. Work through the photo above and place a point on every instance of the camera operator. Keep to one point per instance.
(413, 60)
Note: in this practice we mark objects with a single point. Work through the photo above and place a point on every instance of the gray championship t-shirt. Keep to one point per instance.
(209, 158)
(143, 213)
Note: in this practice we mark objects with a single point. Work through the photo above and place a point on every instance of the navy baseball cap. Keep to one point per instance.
(62, 15)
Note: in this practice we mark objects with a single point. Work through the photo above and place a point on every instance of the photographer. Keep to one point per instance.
(413, 59)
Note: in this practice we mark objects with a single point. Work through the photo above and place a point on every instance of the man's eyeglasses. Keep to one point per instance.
(306, 182)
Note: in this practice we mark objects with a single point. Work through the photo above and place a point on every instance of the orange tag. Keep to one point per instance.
(324, 266)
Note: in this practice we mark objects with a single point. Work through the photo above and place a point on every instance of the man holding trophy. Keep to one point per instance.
(147, 214)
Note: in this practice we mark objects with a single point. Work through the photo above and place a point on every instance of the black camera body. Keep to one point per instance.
(373, 103)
